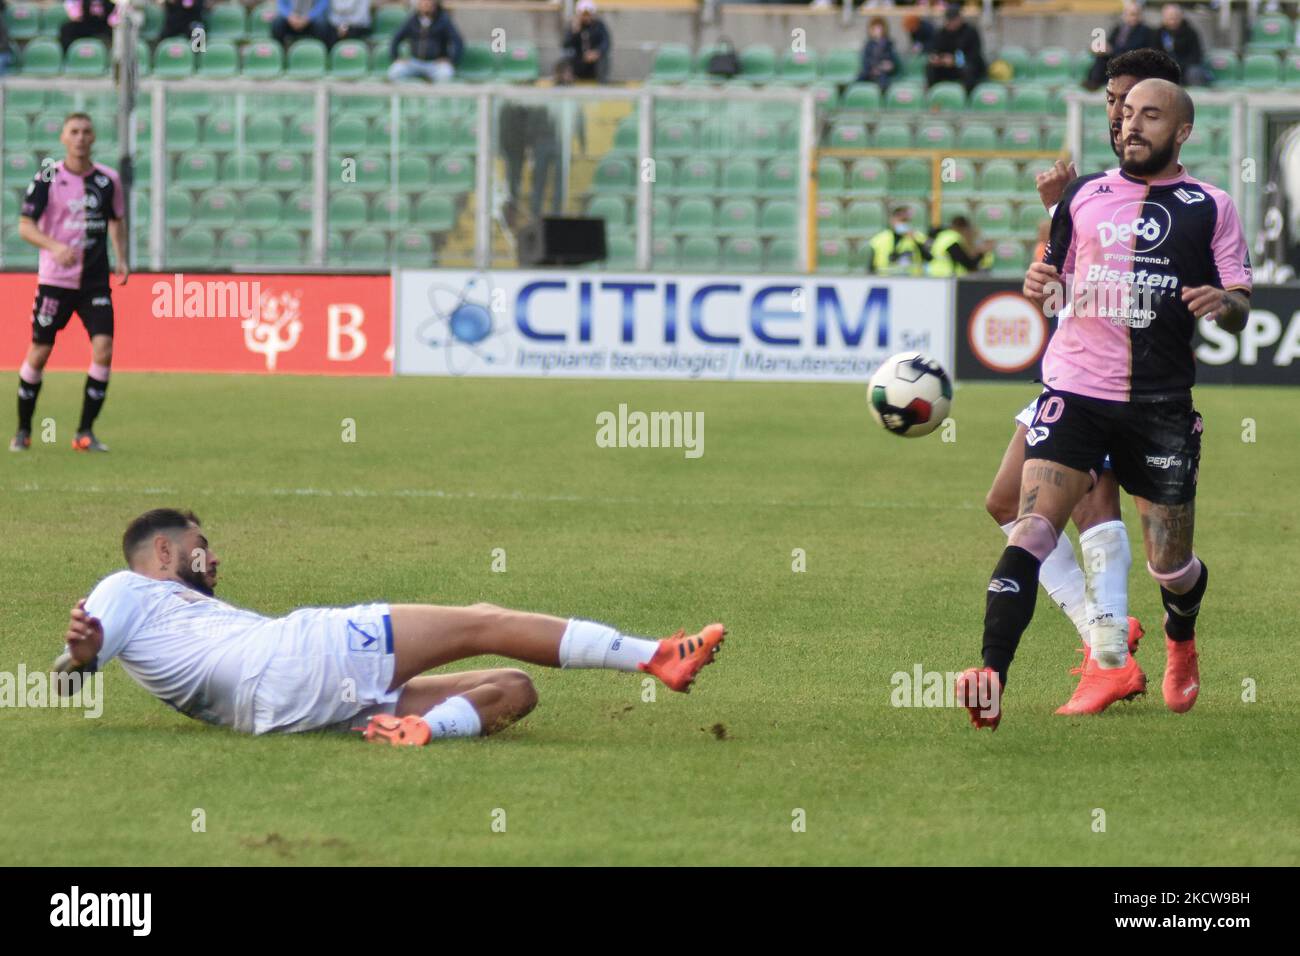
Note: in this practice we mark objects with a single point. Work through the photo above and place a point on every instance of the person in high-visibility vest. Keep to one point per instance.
(900, 249)
(954, 251)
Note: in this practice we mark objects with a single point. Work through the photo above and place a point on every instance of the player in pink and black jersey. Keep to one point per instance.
(71, 211)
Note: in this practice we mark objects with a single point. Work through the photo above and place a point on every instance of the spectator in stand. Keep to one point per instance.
(436, 45)
(958, 54)
(88, 18)
(6, 50)
(920, 33)
(347, 20)
(180, 17)
(587, 45)
(1130, 33)
(879, 61)
(1180, 40)
(295, 19)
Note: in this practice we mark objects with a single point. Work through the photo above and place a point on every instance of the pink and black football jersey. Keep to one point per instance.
(75, 210)
(1127, 249)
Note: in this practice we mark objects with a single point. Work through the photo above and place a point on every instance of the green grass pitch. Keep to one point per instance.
(794, 716)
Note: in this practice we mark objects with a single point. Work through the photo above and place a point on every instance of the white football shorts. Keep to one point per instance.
(330, 665)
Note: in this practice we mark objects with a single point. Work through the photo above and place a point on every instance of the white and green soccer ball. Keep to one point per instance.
(910, 394)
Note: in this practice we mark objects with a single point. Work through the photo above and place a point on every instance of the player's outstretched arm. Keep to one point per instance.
(84, 639)
(1051, 183)
(1228, 308)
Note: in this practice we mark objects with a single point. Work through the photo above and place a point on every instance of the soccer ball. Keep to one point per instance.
(910, 394)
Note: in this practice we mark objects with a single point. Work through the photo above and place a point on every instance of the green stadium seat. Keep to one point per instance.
(217, 132)
(281, 247)
(1225, 65)
(1198, 148)
(237, 246)
(946, 98)
(757, 63)
(958, 178)
(1027, 218)
(1054, 138)
(613, 174)
(264, 132)
(346, 210)
(1021, 137)
(86, 59)
(737, 216)
(868, 176)
(797, 69)
(436, 213)
(998, 178)
(284, 171)
(306, 61)
(767, 137)
(612, 209)
(1054, 66)
(220, 62)
(20, 168)
(994, 219)
(23, 20)
(693, 214)
(847, 135)
(1271, 32)
(661, 215)
(303, 133)
(193, 248)
(742, 254)
(17, 136)
(42, 57)
(367, 247)
(216, 208)
(1017, 57)
(240, 171)
(910, 177)
(1214, 172)
(830, 176)
(913, 69)
(24, 100)
(1009, 258)
(626, 136)
(1029, 99)
(388, 19)
(263, 60)
(173, 60)
(934, 135)
(620, 254)
(864, 218)
(740, 176)
(454, 174)
(905, 96)
(372, 171)
(826, 97)
(393, 211)
(178, 207)
(841, 66)
(227, 21)
(950, 209)
(413, 249)
(53, 16)
(381, 60)
(663, 253)
(182, 132)
(695, 176)
(672, 64)
(477, 64)
(861, 96)
(779, 177)
(979, 137)
(348, 134)
(299, 209)
(830, 217)
(153, 21)
(988, 98)
(349, 60)
(781, 256)
(261, 209)
(892, 136)
(1291, 69)
(45, 132)
(1261, 71)
(779, 217)
(518, 64)
(675, 138)
(260, 17)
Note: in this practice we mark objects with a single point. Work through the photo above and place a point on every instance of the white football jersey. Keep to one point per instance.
(200, 655)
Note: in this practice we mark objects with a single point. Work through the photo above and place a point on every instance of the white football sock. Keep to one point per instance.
(588, 644)
(1063, 581)
(1106, 560)
(454, 717)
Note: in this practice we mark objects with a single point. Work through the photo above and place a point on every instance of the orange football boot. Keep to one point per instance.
(979, 690)
(1182, 675)
(680, 658)
(407, 731)
(1100, 687)
(1135, 634)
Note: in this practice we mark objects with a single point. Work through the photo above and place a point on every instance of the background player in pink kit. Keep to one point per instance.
(69, 211)
(1150, 250)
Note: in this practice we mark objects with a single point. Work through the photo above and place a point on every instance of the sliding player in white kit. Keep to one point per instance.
(340, 668)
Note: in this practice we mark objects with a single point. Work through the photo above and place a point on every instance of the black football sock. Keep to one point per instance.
(1183, 608)
(92, 403)
(27, 393)
(1009, 607)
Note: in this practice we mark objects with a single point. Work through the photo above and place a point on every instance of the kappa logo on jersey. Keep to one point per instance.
(1146, 224)
(1164, 461)
(360, 639)
(1189, 196)
(1036, 434)
(1103, 188)
(1004, 586)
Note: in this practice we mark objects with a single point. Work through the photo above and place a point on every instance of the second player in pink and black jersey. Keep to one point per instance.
(75, 209)
(1128, 248)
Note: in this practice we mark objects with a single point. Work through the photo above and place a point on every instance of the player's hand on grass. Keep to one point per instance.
(85, 635)
(64, 254)
(1040, 280)
(1051, 183)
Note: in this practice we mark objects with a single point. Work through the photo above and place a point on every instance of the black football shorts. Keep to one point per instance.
(54, 307)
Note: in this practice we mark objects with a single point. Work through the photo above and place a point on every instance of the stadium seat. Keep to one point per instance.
(1291, 69)
(372, 171)
(367, 247)
(346, 211)
(263, 132)
(1027, 218)
(1021, 137)
(780, 176)
(675, 138)
(518, 64)
(216, 208)
(381, 60)
(349, 60)
(262, 60)
(693, 214)
(738, 216)
(260, 17)
(797, 69)
(1270, 32)
(454, 174)
(391, 210)
(663, 253)
(826, 97)
(946, 98)
(86, 59)
(757, 63)
(182, 132)
(173, 60)
(220, 62)
(868, 176)
(861, 96)
(347, 134)
(24, 100)
(904, 96)
(1029, 99)
(42, 57)
(892, 136)
(16, 133)
(779, 217)
(994, 219)
(193, 248)
(302, 133)
(626, 136)
(281, 247)
(958, 177)
(830, 217)
(306, 61)
(998, 178)
(988, 98)
(980, 137)
(1009, 258)
(1054, 66)
(53, 16)
(612, 209)
(237, 246)
(910, 177)
(834, 255)
(695, 176)
(830, 177)
(1225, 65)
(261, 209)
(1214, 172)
(864, 218)
(19, 167)
(1017, 57)
(240, 171)
(435, 213)
(766, 137)
(284, 171)
(740, 176)
(1261, 71)
(935, 135)
(23, 20)
(742, 254)
(477, 64)
(950, 209)
(847, 135)
(620, 253)
(413, 249)
(217, 132)
(227, 21)
(672, 64)
(613, 174)
(841, 66)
